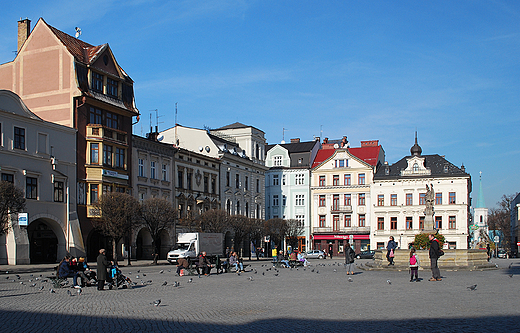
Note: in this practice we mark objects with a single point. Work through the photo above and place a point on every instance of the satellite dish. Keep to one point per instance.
(78, 32)
(160, 137)
(201, 149)
(207, 149)
(336, 146)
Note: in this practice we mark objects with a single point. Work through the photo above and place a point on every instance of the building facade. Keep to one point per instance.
(398, 195)
(38, 157)
(287, 184)
(67, 81)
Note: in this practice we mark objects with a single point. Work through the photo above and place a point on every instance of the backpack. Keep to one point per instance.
(413, 260)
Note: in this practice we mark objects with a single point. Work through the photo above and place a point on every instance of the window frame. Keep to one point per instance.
(59, 191)
(19, 138)
(31, 188)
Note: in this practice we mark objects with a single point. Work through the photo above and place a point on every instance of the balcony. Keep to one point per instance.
(96, 131)
(340, 209)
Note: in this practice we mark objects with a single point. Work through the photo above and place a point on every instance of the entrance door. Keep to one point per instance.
(43, 246)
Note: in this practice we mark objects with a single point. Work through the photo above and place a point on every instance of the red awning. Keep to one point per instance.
(327, 237)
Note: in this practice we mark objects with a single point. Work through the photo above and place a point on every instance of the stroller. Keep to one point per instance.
(118, 279)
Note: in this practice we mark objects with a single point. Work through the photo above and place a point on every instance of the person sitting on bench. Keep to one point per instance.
(204, 264)
(64, 271)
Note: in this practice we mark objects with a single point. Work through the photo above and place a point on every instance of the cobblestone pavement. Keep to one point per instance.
(315, 299)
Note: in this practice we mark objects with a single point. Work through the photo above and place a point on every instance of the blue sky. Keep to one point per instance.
(364, 69)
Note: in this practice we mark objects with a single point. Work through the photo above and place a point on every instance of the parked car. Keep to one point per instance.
(502, 253)
(366, 254)
(315, 254)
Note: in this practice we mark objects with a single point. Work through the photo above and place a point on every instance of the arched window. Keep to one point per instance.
(257, 151)
(228, 207)
(415, 167)
(238, 208)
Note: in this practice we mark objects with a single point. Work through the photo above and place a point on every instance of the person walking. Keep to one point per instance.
(102, 266)
(349, 259)
(390, 248)
(331, 251)
(434, 256)
(414, 266)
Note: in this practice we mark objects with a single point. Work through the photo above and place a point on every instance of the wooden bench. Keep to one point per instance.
(295, 263)
(58, 282)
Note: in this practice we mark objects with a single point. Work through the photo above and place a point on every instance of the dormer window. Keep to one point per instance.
(277, 160)
(97, 82)
(415, 167)
(446, 168)
(112, 87)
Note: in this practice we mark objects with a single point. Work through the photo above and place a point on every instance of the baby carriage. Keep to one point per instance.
(118, 279)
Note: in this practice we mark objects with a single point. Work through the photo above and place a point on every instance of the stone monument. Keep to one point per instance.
(429, 211)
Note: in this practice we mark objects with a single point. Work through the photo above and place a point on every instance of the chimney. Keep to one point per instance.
(24, 29)
(297, 140)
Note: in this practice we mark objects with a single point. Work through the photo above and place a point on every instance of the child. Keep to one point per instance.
(414, 265)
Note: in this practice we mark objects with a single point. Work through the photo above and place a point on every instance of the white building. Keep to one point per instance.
(398, 200)
(287, 185)
(479, 228)
(40, 158)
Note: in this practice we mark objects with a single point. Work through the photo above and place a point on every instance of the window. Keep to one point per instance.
(409, 222)
(246, 183)
(6, 177)
(237, 180)
(120, 158)
(335, 222)
(238, 208)
(393, 223)
(361, 199)
(58, 191)
(421, 222)
(206, 184)
(153, 170)
(276, 200)
(107, 155)
(94, 194)
(19, 138)
(438, 222)
(276, 180)
(140, 167)
(228, 176)
(452, 222)
(321, 201)
(347, 199)
(452, 198)
(393, 199)
(107, 189)
(112, 87)
(380, 223)
(322, 221)
(300, 219)
(94, 153)
(335, 180)
(347, 180)
(335, 202)
(97, 82)
(380, 245)
(31, 188)
(322, 181)
(409, 199)
(341, 163)
(180, 177)
(164, 172)
(112, 120)
(415, 167)
(422, 199)
(95, 116)
(361, 179)
(213, 185)
(348, 221)
(300, 200)
(299, 179)
(277, 160)
(283, 179)
(189, 180)
(381, 200)
(361, 219)
(438, 198)
(257, 185)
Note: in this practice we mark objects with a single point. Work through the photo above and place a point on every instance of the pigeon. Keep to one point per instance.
(156, 303)
(7, 277)
(473, 287)
(275, 274)
(388, 281)
(69, 293)
(165, 283)
(176, 284)
(510, 265)
(238, 273)
(250, 278)
(21, 282)
(263, 273)
(33, 285)
(161, 271)
(190, 280)
(18, 276)
(30, 280)
(144, 274)
(349, 279)
(149, 281)
(312, 270)
(317, 272)
(169, 271)
(41, 288)
(137, 276)
(52, 291)
(335, 270)
(496, 265)
(78, 291)
(138, 271)
(510, 275)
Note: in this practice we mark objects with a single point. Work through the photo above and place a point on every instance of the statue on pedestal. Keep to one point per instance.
(429, 211)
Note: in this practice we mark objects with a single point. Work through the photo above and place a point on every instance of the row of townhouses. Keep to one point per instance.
(66, 115)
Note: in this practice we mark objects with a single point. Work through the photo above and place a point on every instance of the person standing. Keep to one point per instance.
(331, 251)
(102, 266)
(414, 266)
(434, 256)
(349, 259)
(390, 251)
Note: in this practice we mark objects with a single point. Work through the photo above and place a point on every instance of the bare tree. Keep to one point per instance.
(241, 226)
(119, 212)
(277, 229)
(215, 220)
(12, 201)
(157, 214)
(294, 229)
(500, 218)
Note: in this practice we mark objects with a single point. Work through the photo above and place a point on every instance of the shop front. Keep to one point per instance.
(336, 243)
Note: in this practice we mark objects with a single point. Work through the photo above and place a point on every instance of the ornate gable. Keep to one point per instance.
(415, 167)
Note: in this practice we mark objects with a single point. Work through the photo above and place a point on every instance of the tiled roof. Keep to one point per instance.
(368, 154)
(322, 155)
(81, 50)
(435, 163)
(296, 147)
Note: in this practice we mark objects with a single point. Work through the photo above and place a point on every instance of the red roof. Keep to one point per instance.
(369, 154)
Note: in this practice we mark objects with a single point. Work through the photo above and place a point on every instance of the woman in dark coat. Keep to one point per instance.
(390, 248)
(102, 265)
(349, 259)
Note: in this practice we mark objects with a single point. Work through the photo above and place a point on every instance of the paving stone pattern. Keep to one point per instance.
(314, 299)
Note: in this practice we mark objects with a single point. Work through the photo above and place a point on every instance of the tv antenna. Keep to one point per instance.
(283, 134)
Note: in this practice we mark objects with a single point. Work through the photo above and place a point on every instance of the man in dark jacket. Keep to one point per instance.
(102, 265)
(434, 256)
(204, 264)
(65, 271)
